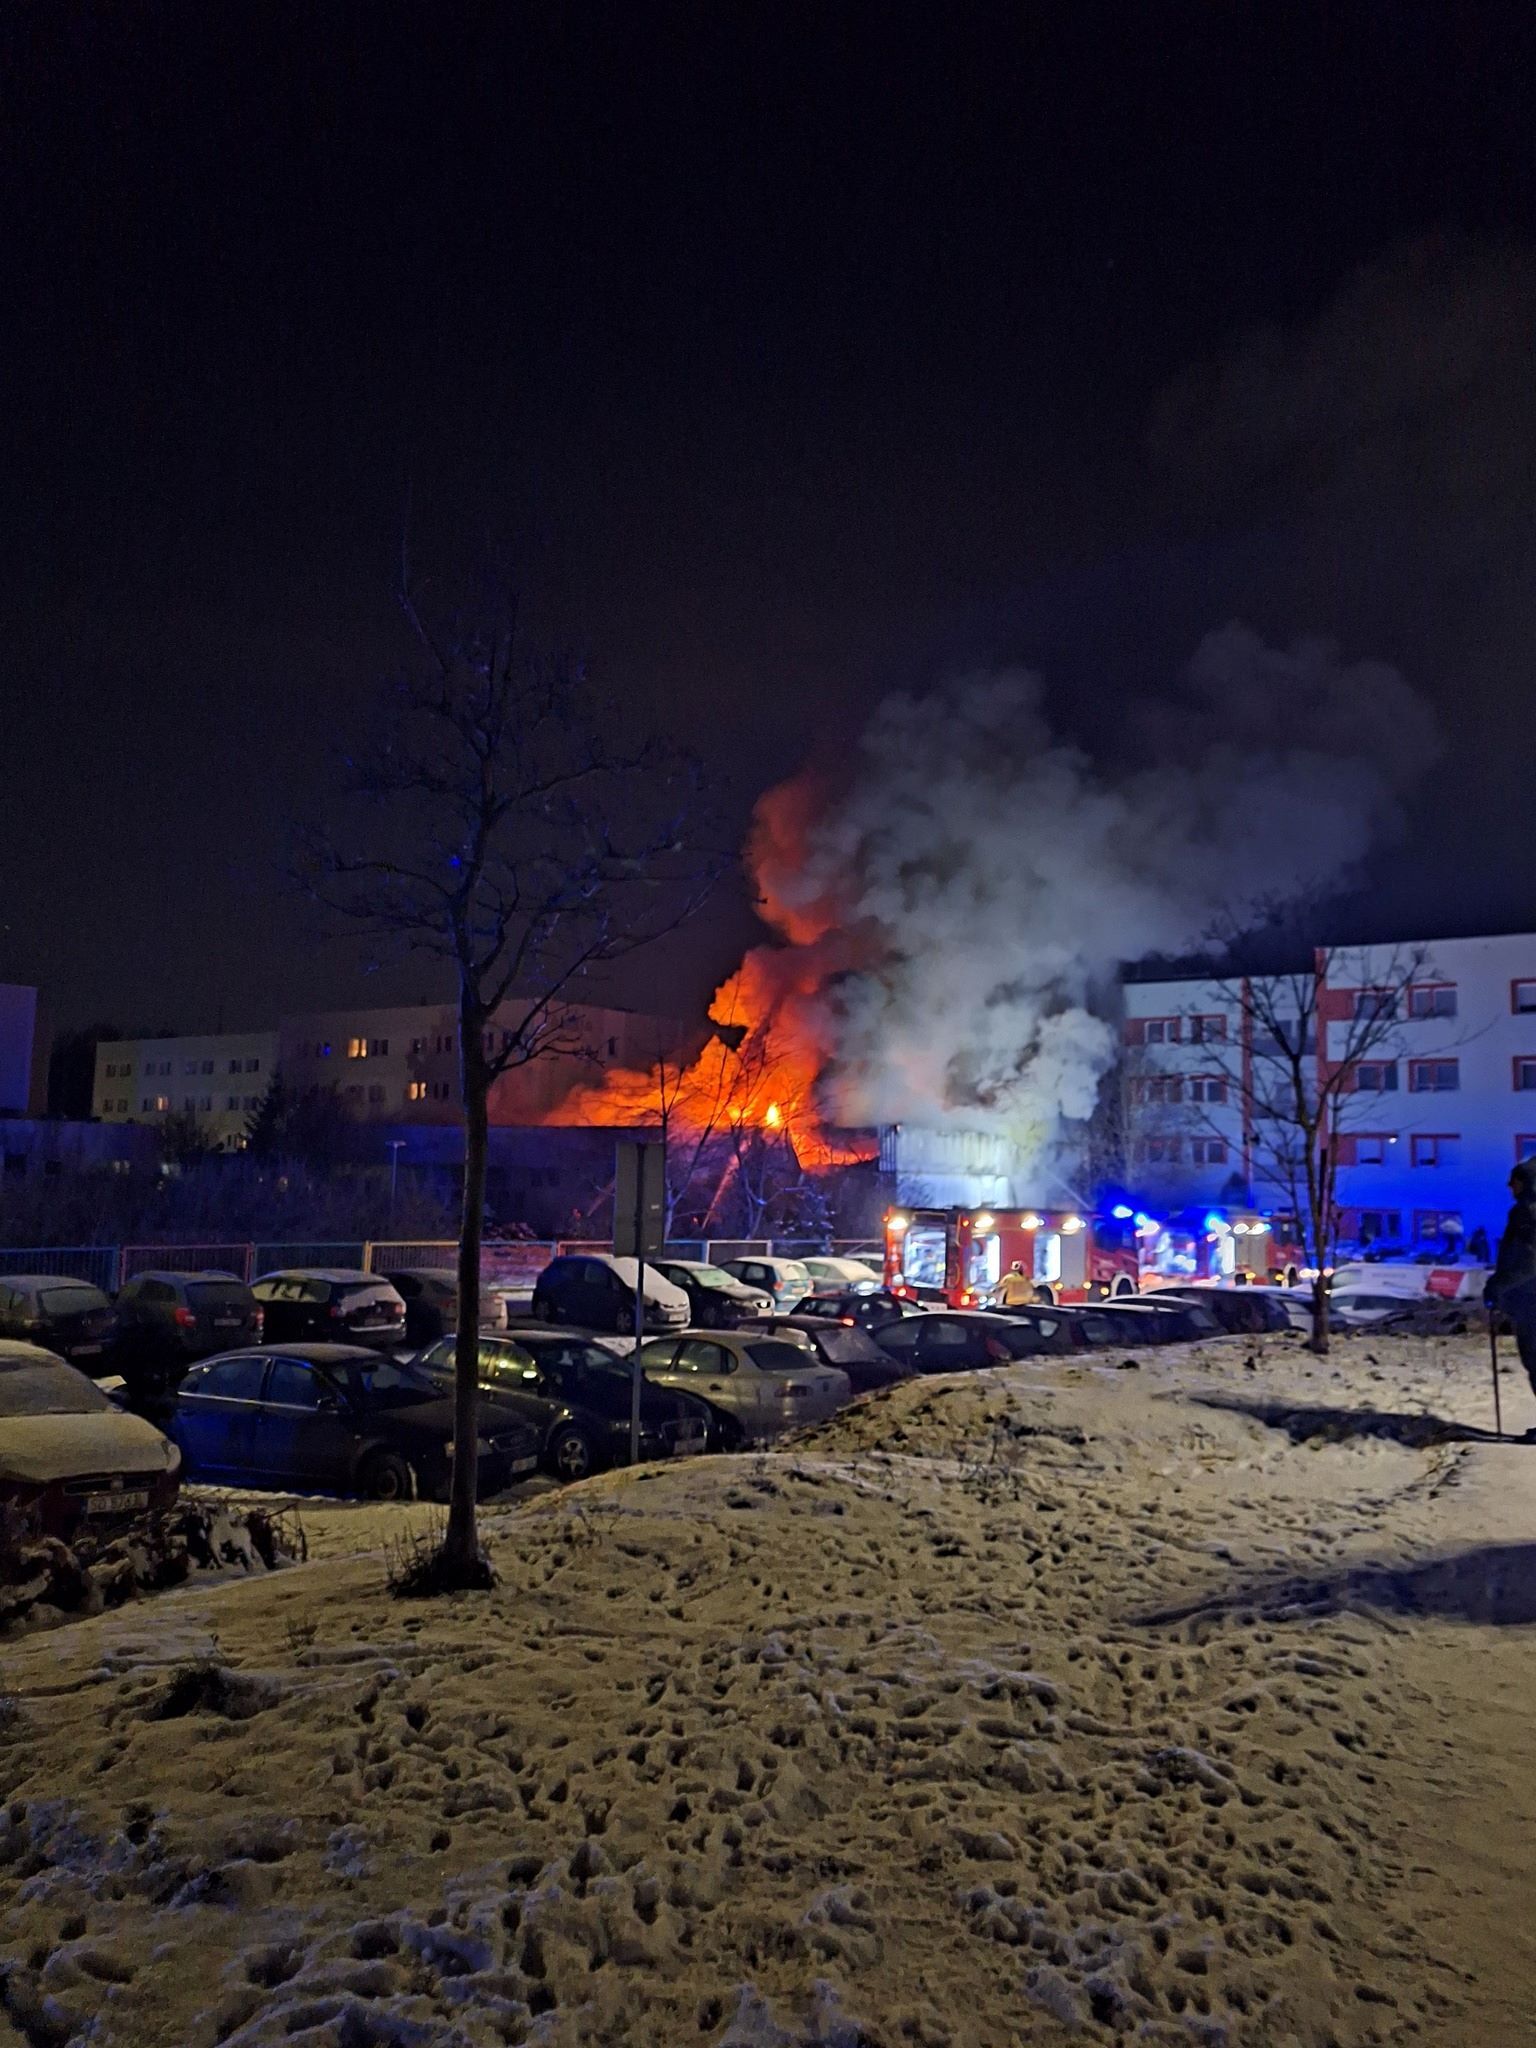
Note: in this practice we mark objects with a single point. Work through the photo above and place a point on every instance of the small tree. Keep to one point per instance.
(509, 834)
(1292, 1061)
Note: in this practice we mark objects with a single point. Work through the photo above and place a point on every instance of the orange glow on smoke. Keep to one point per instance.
(765, 1071)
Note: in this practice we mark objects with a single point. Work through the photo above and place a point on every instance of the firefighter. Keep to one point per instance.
(1511, 1287)
(1015, 1289)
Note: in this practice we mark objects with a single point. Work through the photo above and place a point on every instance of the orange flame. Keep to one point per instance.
(762, 1066)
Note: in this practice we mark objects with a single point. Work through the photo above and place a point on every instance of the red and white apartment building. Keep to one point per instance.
(1437, 1113)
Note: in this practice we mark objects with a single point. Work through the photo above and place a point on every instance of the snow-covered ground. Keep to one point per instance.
(1183, 1703)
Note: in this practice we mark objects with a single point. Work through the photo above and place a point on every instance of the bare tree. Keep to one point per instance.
(1297, 1055)
(508, 832)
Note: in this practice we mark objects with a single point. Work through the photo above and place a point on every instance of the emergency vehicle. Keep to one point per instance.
(1218, 1246)
(958, 1256)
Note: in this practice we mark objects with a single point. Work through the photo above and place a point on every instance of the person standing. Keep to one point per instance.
(1511, 1286)
(1015, 1289)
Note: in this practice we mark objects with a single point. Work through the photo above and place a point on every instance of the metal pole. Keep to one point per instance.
(1493, 1355)
(634, 1371)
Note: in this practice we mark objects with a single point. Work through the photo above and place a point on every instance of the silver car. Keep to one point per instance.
(758, 1386)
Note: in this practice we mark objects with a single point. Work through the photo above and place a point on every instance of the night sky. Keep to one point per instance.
(799, 352)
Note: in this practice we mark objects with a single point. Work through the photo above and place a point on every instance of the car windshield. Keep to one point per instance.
(711, 1276)
(216, 1294)
(390, 1382)
(779, 1357)
(47, 1387)
(842, 1346)
(70, 1301)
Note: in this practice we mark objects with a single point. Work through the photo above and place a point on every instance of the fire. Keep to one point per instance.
(760, 1072)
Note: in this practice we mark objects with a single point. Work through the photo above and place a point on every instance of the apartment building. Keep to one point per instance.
(219, 1078)
(402, 1065)
(1434, 1113)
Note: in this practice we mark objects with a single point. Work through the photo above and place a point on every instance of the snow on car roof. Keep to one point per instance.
(34, 1382)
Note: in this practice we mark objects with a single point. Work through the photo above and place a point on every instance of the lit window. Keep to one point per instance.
(416, 1092)
(1432, 999)
(1435, 1148)
(1433, 1077)
(357, 1048)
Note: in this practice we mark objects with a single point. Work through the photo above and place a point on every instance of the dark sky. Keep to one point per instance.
(804, 350)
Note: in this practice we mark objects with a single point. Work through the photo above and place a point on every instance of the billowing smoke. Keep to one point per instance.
(979, 881)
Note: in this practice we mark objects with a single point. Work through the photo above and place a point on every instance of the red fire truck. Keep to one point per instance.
(1219, 1246)
(958, 1256)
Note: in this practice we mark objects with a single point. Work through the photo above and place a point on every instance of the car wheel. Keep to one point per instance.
(386, 1476)
(568, 1454)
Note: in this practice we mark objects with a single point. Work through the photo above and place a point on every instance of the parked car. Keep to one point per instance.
(70, 1318)
(843, 1344)
(596, 1291)
(756, 1386)
(1107, 1324)
(1293, 1304)
(326, 1305)
(842, 1276)
(864, 1309)
(336, 1418)
(576, 1394)
(68, 1455)
(1239, 1310)
(431, 1296)
(1058, 1333)
(165, 1320)
(1354, 1308)
(787, 1280)
(961, 1340)
(717, 1300)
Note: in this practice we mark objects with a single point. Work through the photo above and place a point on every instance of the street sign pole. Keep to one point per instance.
(639, 1227)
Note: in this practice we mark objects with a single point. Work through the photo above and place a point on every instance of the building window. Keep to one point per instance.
(207, 1103)
(1525, 1075)
(613, 1048)
(416, 1092)
(189, 1066)
(1381, 1223)
(1432, 999)
(1160, 1151)
(189, 1102)
(1374, 1005)
(322, 1048)
(253, 1102)
(376, 1092)
(445, 1041)
(1435, 1148)
(1206, 1030)
(1371, 1151)
(357, 1048)
(353, 1091)
(1208, 1151)
(1376, 1077)
(1522, 998)
(1207, 1088)
(231, 1102)
(253, 1066)
(1429, 1224)
(1433, 1077)
(207, 1066)
(1158, 1088)
(234, 1066)
(379, 1048)
(418, 1045)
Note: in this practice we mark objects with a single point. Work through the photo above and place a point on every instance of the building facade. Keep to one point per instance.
(1439, 1100)
(218, 1078)
(19, 1077)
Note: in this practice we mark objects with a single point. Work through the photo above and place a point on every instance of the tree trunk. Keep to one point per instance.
(1318, 1341)
(461, 1546)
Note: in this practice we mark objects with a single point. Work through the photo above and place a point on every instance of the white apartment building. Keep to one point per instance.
(1437, 1111)
(219, 1078)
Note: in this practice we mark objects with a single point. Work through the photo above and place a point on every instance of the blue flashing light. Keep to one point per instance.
(1215, 1222)
(1121, 1213)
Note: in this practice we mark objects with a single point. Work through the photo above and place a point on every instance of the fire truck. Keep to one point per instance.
(1218, 1247)
(958, 1256)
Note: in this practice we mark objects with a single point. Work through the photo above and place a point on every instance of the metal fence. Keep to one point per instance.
(184, 1258)
(96, 1263)
(517, 1262)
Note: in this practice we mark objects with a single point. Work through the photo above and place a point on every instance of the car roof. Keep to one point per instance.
(336, 1273)
(171, 1273)
(47, 1280)
(309, 1354)
(14, 1352)
(447, 1273)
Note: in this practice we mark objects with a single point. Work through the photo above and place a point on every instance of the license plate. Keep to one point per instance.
(85, 1350)
(116, 1503)
(226, 1322)
(523, 1465)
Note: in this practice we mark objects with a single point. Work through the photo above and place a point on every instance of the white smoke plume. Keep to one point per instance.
(994, 878)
